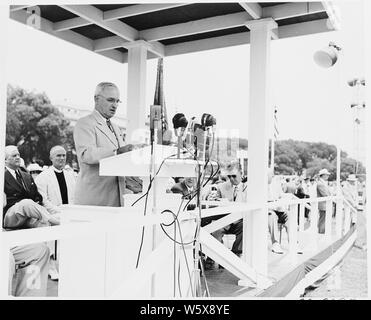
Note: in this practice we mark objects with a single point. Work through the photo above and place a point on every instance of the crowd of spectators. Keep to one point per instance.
(229, 184)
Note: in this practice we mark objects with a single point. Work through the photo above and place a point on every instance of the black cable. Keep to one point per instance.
(203, 259)
(174, 289)
(175, 216)
(179, 289)
(175, 219)
(210, 177)
(146, 201)
(142, 237)
(151, 179)
(185, 258)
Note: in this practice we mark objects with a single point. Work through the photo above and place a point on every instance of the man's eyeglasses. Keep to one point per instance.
(234, 176)
(111, 100)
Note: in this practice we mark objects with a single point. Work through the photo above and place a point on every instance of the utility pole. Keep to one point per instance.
(358, 106)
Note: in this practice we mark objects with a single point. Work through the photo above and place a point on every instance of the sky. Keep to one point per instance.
(313, 103)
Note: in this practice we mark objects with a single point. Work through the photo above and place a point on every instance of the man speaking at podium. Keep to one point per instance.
(96, 137)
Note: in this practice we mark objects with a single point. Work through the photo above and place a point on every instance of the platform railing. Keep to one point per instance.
(296, 223)
(86, 222)
(212, 247)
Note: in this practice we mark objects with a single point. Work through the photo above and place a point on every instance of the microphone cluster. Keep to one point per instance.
(195, 131)
(181, 123)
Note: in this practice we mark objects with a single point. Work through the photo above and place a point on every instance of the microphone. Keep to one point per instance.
(180, 124)
(207, 121)
(208, 124)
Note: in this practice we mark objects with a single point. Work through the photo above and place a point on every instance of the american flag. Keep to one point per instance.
(159, 99)
(275, 126)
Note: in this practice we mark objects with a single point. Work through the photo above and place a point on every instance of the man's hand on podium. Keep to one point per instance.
(129, 147)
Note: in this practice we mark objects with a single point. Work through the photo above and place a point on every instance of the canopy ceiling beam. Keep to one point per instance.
(208, 44)
(108, 43)
(18, 7)
(253, 9)
(68, 35)
(95, 16)
(139, 9)
(290, 10)
(195, 27)
(292, 30)
(301, 29)
(156, 48)
(71, 24)
(115, 55)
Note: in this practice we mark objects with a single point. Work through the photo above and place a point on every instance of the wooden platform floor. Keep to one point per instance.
(222, 283)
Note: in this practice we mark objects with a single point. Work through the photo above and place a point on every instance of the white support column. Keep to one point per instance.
(347, 219)
(293, 233)
(4, 249)
(4, 269)
(4, 17)
(339, 218)
(256, 226)
(313, 229)
(328, 221)
(301, 217)
(136, 101)
(272, 154)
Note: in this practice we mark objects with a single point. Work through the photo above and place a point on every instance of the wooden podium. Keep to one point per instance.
(103, 265)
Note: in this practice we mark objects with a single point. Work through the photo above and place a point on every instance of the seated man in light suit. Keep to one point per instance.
(96, 137)
(234, 190)
(28, 265)
(57, 187)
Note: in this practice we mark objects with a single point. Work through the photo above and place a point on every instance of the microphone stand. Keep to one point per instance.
(153, 169)
(197, 242)
(179, 146)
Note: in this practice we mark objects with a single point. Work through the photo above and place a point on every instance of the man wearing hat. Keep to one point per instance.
(350, 190)
(323, 190)
(34, 170)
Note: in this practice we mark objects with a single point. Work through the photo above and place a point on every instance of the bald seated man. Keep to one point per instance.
(56, 184)
(24, 202)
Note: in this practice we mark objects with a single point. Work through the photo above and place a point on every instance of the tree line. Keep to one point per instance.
(301, 157)
(35, 125)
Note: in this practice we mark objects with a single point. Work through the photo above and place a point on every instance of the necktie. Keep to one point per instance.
(235, 193)
(109, 124)
(19, 179)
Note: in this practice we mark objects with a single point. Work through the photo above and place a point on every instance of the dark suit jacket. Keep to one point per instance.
(135, 184)
(181, 187)
(15, 192)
